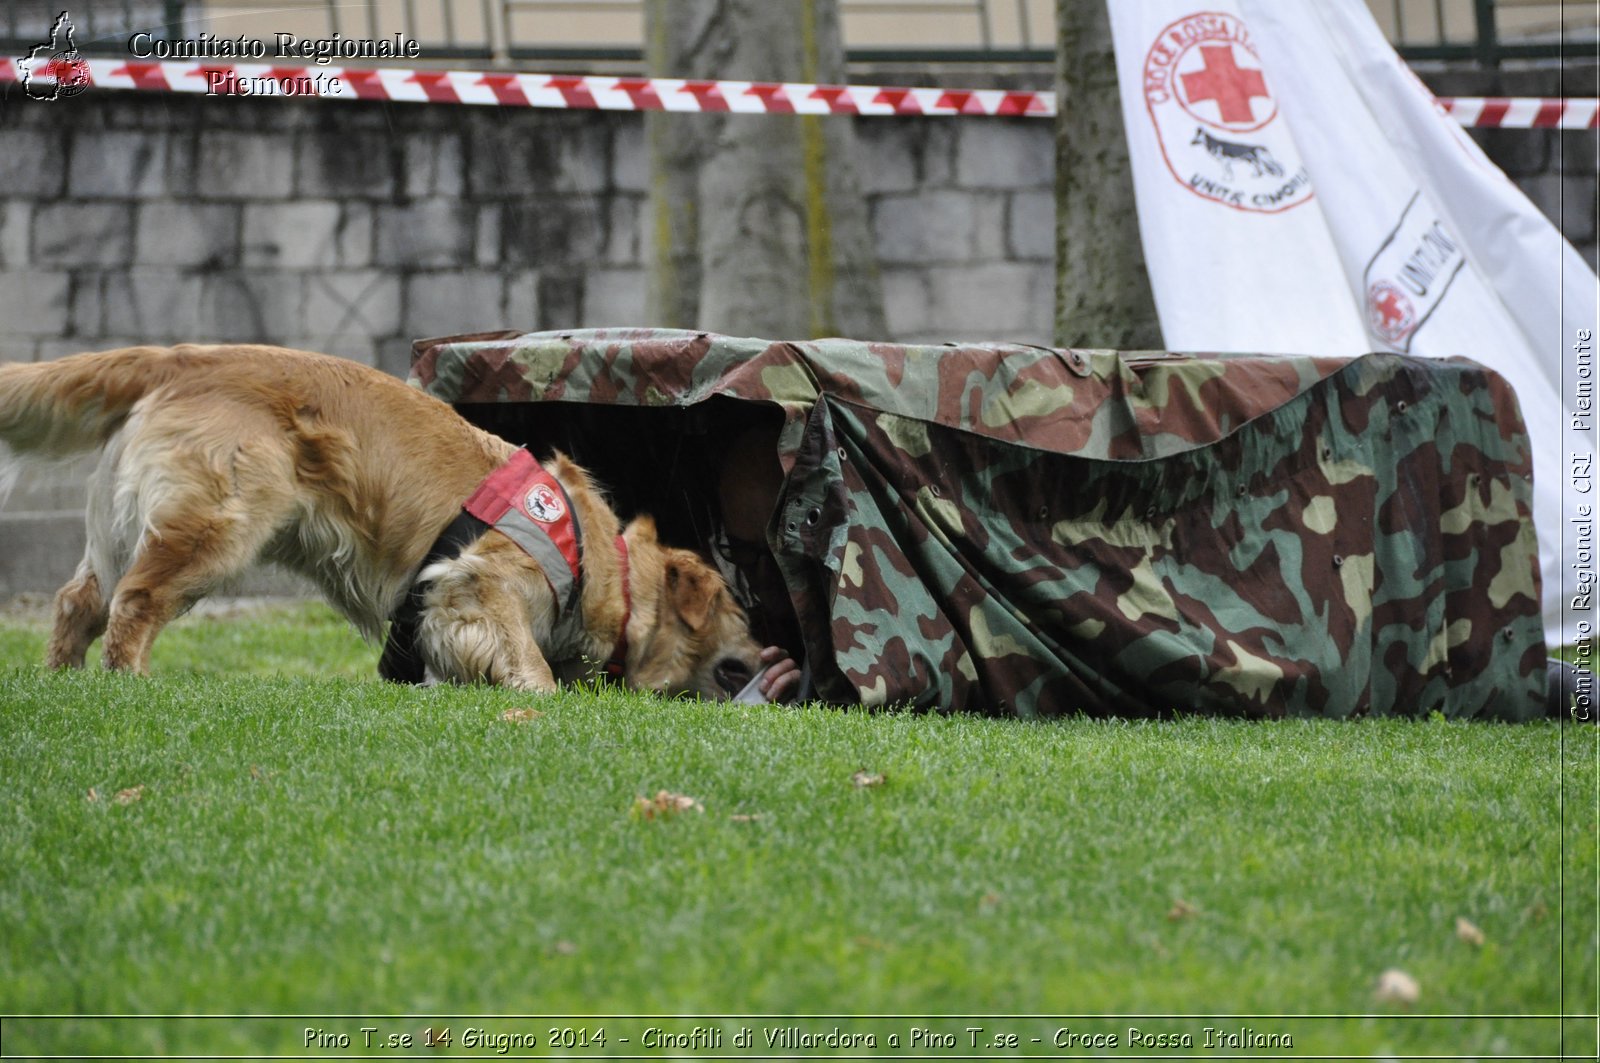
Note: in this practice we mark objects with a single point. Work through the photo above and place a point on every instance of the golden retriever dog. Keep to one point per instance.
(214, 458)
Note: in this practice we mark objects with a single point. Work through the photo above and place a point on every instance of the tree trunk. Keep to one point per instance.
(1103, 296)
(681, 39)
(760, 228)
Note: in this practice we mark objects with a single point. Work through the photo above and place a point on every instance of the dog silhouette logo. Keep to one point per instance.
(1227, 152)
(54, 70)
(544, 505)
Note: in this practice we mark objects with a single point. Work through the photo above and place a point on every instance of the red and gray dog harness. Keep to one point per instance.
(524, 502)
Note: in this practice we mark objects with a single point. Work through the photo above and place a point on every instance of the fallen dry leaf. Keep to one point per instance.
(563, 948)
(92, 796)
(520, 715)
(1397, 987)
(1468, 931)
(746, 817)
(864, 778)
(1180, 910)
(665, 804)
(989, 902)
(130, 795)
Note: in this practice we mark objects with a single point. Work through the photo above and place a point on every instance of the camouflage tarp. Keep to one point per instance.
(1010, 529)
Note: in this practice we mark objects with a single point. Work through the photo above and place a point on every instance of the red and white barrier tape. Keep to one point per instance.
(497, 89)
(562, 91)
(1501, 112)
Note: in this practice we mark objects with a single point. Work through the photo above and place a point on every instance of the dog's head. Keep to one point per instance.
(700, 641)
(697, 640)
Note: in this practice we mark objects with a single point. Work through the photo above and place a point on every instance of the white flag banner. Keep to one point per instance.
(1301, 192)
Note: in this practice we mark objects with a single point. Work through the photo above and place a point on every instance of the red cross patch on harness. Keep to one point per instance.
(525, 503)
(544, 504)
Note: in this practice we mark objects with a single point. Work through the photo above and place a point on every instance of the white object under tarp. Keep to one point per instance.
(1301, 192)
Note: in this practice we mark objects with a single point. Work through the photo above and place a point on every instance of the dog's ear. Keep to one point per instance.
(642, 528)
(691, 589)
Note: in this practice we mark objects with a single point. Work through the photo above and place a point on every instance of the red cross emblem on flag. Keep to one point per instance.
(1223, 81)
(1216, 119)
(1391, 313)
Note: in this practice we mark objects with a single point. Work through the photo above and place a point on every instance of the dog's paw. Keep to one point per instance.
(533, 684)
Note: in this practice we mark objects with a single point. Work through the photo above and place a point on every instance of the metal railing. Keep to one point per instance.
(1485, 31)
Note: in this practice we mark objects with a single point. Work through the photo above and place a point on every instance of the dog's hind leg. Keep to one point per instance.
(80, 618)
(204, 515)
(81, 607)
(177, 563)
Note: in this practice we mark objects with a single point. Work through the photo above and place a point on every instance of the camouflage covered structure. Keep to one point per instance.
(1025, 531)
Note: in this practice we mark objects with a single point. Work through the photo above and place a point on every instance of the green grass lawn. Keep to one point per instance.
(302, 839)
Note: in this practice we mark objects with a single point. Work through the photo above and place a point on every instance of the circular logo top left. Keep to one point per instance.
(55, 69)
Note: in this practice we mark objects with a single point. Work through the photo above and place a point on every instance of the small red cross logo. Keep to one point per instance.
(544, 505)
(67, 70)
(1224, 81)
(1390, 309)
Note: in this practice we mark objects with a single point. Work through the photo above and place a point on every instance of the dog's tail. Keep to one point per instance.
(56, 409)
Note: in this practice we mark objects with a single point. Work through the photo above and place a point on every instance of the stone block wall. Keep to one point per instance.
(963, 217)
(354, 228)
(347, 229)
